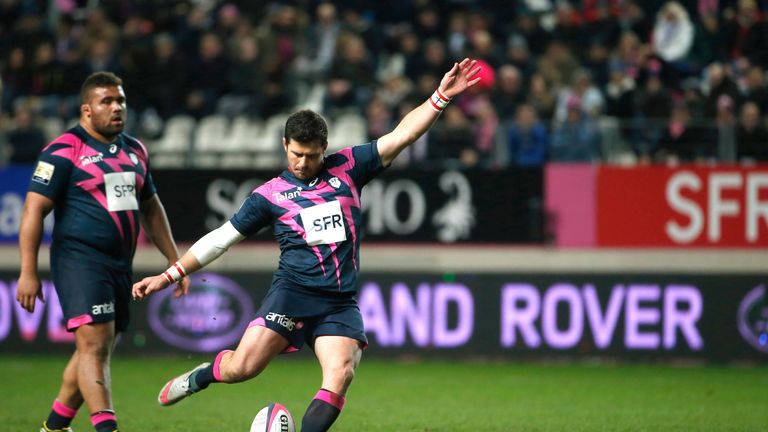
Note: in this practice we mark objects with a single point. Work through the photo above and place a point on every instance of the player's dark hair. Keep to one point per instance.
(306, 126)
(96, 80)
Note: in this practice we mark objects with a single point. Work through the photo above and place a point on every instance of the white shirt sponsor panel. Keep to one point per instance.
(121, 191)
(324, 223)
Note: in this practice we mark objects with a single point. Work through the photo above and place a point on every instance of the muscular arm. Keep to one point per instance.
(36, 207)
(155, 223)
(418, 121)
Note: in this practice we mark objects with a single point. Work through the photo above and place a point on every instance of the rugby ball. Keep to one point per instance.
(274, 417)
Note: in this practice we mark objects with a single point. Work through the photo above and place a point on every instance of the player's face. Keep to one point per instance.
(304, 159)
(106, 110)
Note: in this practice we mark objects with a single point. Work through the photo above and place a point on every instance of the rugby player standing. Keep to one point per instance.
(97, 182)
(314, 207)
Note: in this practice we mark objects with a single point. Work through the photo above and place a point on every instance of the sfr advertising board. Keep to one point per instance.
(691, 206)
(718, 318)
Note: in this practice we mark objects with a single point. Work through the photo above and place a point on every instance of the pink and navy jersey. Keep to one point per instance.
(317, 222)
(96, 189)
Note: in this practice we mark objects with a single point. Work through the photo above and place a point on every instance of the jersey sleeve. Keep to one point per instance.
(148, 190)
(253, 215)
(52, 171)
(367, 163)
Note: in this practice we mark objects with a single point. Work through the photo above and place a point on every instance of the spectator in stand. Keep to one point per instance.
(25, 139)
(207, 80)
(245, 81)
(527, 139)
(527, 25)
(719, 82)
(15, 76)
(751, 135)
(483, 46)
(577, 139)
(449, 140)
(542, 98)
(351, 79)
(654, 106)
(166, 76)
(509, 92)
(590, 97)
(378, 117)
(673, 34)
(435, 57)
(558, 64)
(316, 57)
(519, 56)
(682, 141)
(708, 43)
(746, 34)
(457, 40)
(755, 88)
(102, 55)
(596, 62)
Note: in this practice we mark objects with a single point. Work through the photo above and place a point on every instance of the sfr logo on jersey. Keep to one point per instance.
(121, 191)
(283, 320)
(323, 224)
(105, 308)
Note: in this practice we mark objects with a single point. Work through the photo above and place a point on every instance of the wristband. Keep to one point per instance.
(438, 101)
(175, 272)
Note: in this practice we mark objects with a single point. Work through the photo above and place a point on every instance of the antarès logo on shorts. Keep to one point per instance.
(283, 320)
(210, 318)
(753, 318)
(104, 308)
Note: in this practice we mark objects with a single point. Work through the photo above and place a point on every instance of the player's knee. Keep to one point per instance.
(94, 348)
(343, 373)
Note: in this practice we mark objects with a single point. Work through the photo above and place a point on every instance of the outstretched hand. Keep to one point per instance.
(148, 285)
(461, 76)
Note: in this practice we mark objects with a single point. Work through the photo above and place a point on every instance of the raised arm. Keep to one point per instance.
(202, 253)
(420, 119)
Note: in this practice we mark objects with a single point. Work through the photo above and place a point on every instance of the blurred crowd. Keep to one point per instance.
(674, 81)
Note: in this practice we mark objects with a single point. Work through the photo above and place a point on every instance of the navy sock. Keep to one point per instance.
(202, 378)
(322, 411)
(60, 417)
(104, 421)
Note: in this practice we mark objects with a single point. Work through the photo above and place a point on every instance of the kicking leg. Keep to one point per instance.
(339, 356)
(258, 346)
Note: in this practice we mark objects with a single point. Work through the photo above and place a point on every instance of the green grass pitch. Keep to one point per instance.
(418, 396)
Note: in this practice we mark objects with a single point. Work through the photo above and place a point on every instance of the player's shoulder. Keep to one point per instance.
(135, 144)
(266, 188)
(66, 144)
(350, 154)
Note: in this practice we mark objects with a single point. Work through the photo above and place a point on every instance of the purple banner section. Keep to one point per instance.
(649, 317)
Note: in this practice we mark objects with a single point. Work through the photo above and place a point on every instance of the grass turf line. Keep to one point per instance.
(423, 396)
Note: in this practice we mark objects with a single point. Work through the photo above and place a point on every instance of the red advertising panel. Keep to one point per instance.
(687, 206)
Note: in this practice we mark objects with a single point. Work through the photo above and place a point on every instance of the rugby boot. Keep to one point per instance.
(177, 388)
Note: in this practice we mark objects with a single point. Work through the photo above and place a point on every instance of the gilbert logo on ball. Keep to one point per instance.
(274, 417)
